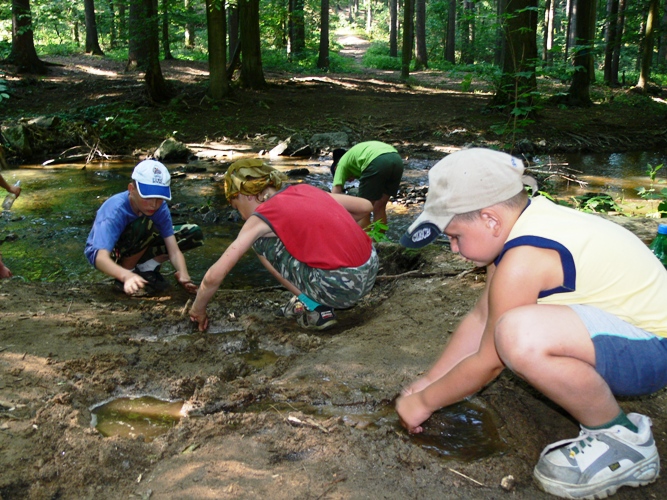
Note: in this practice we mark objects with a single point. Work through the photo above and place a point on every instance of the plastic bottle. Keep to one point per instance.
(9, 199)
(659, 245)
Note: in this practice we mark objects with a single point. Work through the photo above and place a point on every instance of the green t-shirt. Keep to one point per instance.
(358, 158)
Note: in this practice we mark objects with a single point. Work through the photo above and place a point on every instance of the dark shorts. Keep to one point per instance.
(338, 288)
(382, 176)
(632, 361)
(142, 235)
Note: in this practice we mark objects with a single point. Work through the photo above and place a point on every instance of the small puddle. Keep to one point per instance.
(463, 431)
(260, 358)
(144, 416)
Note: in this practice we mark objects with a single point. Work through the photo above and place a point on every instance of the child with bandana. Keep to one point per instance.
(308, 239)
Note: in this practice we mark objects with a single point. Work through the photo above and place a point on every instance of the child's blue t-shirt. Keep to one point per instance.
(113, 217)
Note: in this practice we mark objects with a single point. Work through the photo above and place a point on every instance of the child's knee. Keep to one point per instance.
(515, 338)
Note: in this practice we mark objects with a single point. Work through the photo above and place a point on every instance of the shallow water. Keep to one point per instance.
(44, 234)
(133, 417)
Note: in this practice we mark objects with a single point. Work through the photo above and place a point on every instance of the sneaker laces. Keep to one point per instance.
(576, 444)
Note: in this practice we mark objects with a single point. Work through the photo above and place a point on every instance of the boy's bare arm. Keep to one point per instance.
(132, 282)
(177, 260)
(253, 229)
(523, 273)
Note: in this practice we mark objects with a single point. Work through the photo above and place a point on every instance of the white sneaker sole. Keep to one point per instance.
(641, 474)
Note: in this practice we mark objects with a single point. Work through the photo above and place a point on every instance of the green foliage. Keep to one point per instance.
(596, 203)
(4, 95)
(377, 56)
(377, 231)
(652, 193)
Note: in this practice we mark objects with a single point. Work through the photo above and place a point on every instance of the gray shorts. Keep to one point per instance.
(338, 288)
(632, 361)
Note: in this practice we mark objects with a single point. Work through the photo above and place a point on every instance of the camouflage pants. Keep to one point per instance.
(337, 288)
(142, 235)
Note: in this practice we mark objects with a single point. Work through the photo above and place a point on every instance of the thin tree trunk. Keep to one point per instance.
(217, 49)
(189, 32)
(549, 16)
(252, 75)
(407, 39)
(450, 49)
(620, 27)
(23, 53)
(579, 92)
(92, 41)
(393, 28)
(611, 32)
(519, 79)
(112, 25)
(156, 85)
(652, 21)
(421, 55)
(233, 29)
(137, 53)
(323, 56)
(166, 47)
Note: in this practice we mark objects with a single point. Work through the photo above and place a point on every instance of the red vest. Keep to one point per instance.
(315, 228)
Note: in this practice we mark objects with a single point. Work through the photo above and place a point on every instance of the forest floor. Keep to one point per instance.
(274, 411)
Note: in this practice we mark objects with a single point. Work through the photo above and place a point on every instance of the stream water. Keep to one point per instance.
(44, 234)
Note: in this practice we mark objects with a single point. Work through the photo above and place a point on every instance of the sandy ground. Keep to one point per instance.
(316, 421)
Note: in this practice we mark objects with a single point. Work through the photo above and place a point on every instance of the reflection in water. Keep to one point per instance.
(463, 431)
(44, 234)
(132, 417)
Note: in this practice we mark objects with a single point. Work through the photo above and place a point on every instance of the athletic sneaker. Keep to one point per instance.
(292, 309)
(321, 318)
(599, 462)
(155, 280)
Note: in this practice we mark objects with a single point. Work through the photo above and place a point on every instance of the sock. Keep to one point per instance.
(149, 265)
(310, 304)
(621, 419)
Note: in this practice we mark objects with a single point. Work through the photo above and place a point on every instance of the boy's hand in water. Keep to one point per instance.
(199, 317)
(412, 412)
(186, 283)
(133, 284)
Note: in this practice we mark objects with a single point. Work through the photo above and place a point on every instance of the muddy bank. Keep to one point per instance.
(314, 420)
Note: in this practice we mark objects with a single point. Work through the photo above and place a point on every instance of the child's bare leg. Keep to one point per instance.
(130, 262)
(549, 347)
(380, 209)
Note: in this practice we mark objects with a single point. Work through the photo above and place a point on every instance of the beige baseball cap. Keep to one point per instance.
(462, 182)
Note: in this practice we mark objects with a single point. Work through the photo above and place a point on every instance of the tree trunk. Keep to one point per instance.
(166, 47)
(421, 56)
(323, 57)
(23, 53)
(137, 53)
(217, 49)
(393, 28)
(620, 27)
(252, 75)
(569, 36)
(92, 41)
(297, 30)
(112, 25)
(662, 46)
(611, 31)
(549, 17)
(579, 92)
(468, 32)
(407, 39)
(652, 21)
(189, 32)
(157, 87)
(450, 49)
(232, 28)
(518, 81)
(499, 52)
(369, 15)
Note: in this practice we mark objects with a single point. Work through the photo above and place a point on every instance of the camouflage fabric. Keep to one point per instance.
(338, 288)
(142, 234)
(250, 177)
